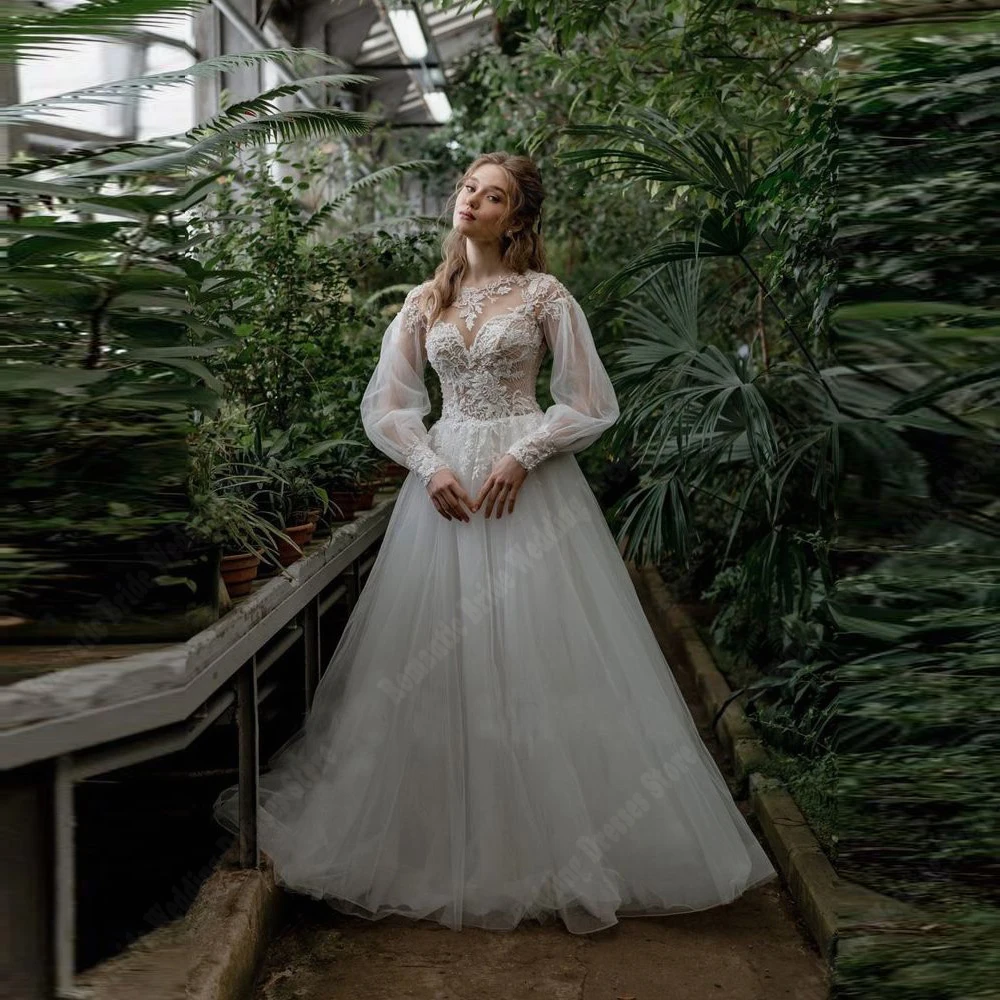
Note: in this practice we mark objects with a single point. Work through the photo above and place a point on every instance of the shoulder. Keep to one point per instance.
(413, 312)
(542, 285)
(548, 296)
(415, 295)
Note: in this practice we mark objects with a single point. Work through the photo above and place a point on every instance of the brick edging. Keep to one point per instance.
(832, 907)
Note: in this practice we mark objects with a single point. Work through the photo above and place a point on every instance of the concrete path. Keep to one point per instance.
(753, 949)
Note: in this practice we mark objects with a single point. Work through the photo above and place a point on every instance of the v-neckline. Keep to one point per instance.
(482, 326)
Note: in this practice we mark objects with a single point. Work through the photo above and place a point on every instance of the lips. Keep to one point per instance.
(466, 215)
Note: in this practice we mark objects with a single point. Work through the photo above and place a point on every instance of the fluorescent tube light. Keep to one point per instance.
(409, 33)
(438, 105)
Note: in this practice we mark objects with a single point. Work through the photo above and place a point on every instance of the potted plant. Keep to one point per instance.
(233, 523)
(392, 472)
(228, 486)
(305, 503)
(335, 462)
(113, 324)
(342, 479)
(307, 500)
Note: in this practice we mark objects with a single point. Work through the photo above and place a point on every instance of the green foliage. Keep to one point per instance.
(311, 304)
(807, 362)
(112, 318)
(948, 959)
(106, 363)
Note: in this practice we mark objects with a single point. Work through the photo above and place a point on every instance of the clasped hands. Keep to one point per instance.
(501, 488)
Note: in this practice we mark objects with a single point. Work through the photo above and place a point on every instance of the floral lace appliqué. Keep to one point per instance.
(470, 301)
(424, 462)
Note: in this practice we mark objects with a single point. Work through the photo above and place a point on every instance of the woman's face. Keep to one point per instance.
(483, 203)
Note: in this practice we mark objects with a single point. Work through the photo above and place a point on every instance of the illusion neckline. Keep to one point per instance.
(499, 280)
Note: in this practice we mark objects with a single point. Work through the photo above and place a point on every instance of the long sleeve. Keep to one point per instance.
(585, 404)
(396, 400)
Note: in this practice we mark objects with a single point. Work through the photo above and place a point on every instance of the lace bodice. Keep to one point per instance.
(487, 349)
(493, 374)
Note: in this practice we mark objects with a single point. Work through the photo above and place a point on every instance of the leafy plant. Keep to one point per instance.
(112, 320)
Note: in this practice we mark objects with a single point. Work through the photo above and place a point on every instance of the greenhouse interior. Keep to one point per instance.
(308, 594)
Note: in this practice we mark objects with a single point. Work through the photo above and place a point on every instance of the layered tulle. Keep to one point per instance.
(497, 735)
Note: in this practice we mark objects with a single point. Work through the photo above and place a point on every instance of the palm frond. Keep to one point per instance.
(38, 32)
(716, 237)
(656, 519)
(123, 91)
(372, 180)
(658, 149)
(227, 132)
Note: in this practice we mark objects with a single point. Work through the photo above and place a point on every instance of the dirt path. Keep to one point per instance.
(753, 949)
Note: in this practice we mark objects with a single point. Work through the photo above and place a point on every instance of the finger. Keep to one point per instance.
(448, 501)
(505, 490)
(465, 500)
(440, 508)
(483, 491)
(501, 498)
(491, 498)
(455, 505)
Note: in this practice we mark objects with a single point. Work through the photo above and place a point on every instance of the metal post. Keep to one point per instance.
(246, 715)
(64, 934)
(265, 37)
(27, 896)
(311, 641)
(353, 582)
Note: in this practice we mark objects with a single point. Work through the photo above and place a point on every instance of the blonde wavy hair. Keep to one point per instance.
(522, 250)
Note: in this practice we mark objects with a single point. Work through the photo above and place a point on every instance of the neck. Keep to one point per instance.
(484, 261)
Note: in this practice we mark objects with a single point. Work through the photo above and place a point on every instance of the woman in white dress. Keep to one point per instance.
(497, 736)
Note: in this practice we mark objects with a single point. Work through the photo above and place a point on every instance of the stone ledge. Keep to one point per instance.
(211, 953)
(107, 684)
(830, 905)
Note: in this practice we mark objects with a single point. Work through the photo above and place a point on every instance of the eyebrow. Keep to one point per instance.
(489, 187)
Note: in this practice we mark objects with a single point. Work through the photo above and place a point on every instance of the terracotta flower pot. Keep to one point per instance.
(239, 571)
(364, 499)
(301, 534)
(342, 505)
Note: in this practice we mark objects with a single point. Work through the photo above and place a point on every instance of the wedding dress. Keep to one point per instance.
(497, 736)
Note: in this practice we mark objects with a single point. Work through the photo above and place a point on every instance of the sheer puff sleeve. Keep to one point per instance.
(585, 404)
(396, 400)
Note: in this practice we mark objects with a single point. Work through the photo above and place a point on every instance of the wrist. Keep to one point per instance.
(526, 455)
(424, 462)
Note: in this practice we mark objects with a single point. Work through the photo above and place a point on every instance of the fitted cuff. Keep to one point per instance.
(424, 461)
(532, 451)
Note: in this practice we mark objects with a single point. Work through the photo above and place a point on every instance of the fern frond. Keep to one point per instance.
(371, 180)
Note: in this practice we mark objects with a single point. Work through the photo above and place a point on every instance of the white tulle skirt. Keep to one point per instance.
(497, 736)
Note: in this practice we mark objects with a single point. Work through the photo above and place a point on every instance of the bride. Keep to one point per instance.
(497, 736)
